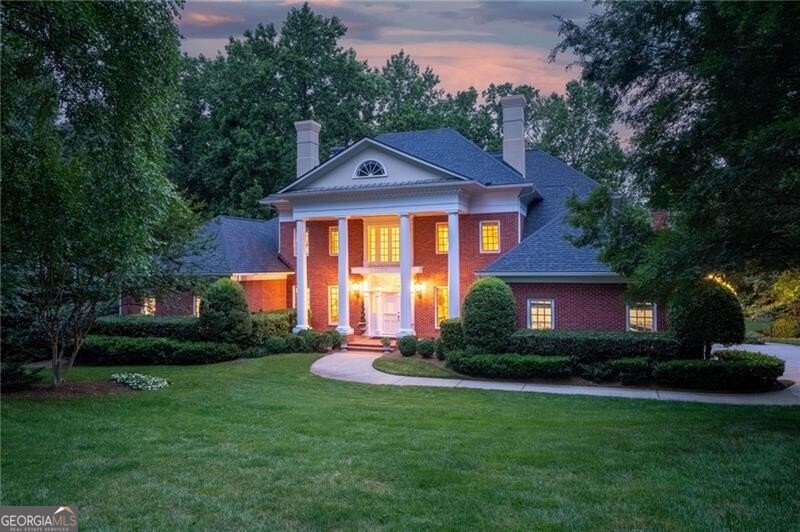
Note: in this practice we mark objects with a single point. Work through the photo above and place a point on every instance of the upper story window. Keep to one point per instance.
(490, 236)
(642, 317)
(333, 241)
(383, 244)
(441, 238)
(370, 168)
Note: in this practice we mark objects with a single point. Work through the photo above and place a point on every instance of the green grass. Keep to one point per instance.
(262, 443)
(413, 367)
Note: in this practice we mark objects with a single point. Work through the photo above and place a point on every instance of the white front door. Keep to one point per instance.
(390, 314)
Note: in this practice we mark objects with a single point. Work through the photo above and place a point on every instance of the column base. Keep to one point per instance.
(344, 331)
(297, 328)
(405, 332)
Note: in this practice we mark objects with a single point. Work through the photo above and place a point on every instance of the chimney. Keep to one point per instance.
(307, 145)
(514, 131)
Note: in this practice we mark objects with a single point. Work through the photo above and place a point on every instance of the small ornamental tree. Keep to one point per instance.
(706, 314)
(489, 316)
(224, 315)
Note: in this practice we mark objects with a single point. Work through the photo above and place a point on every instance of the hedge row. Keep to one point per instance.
(121, 350)
(729, 370)
(594, 346)
(510, 366)
(274, 323)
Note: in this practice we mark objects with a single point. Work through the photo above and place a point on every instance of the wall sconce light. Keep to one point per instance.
(418, 286)
(355, 287)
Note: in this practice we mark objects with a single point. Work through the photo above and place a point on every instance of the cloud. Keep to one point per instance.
(538, 14)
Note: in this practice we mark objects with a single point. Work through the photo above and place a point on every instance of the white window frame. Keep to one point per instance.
(628, 316)
(436, 239)
(358, 166)
(331, 230)
(437, 320)
(330, 307)
(480, 236)
(294, 242)
(149, 302)
(552, 313)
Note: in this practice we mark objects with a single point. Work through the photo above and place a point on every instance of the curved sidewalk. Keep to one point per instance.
(357, 367)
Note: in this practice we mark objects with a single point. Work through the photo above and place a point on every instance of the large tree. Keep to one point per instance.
(711, 92)
(88, 97)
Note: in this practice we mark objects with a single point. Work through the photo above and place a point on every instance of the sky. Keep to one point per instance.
(466, 43)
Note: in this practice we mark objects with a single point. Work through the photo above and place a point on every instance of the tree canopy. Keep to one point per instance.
(711, 91)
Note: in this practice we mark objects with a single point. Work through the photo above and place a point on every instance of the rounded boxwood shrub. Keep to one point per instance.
(489, 316)
(316, 342)
(705, 314)
(452, 333)
(426, 347)
(296, 344)
(335, 338)
(439, 349)
(786, 327)
(729, 370)
(224, 315)
(407, 345)
(276, 344)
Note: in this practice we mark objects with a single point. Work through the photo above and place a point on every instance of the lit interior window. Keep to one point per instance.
(333, 241)
(149, 306)
(541, 314)
(197, 301)
(333, 304)
(441, 304)
(490, 237)
(641, 317)
(383, 244)
(441, 237)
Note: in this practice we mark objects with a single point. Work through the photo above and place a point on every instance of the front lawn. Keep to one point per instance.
(414, 367)
(262, 443)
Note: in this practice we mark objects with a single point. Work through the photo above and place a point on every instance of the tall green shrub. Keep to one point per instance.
(224, 315)
(489, 315)
(452, 334)
(705, 314)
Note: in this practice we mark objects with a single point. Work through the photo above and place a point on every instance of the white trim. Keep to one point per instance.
(266, 276)
(328, 302)
(436, 239)
(552, 312)
(331, 229)
(628, 317)
(365, 161)
(438, 319)
(480, 237)
(366, 270)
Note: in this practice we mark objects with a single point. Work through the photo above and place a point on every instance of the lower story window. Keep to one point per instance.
(441, 295)
(333, 305)
(540, 314)
(197, 301)
(149, 306)
(642, 317)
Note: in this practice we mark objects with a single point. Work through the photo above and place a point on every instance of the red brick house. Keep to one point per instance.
(399, 226)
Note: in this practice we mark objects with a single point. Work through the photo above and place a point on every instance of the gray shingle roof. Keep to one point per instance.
(227, 245)
(448, 149)
(544, 248)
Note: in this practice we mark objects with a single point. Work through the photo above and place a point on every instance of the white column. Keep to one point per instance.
(301, 273)
(405, 277)
(453, 269)
(344, 282)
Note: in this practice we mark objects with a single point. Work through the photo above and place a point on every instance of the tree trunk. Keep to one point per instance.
(56, 353)
(707, 351)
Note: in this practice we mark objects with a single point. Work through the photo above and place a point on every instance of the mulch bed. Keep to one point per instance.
(71, 389)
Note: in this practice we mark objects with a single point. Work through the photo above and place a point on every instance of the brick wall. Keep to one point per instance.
(580, 306)
(265, 295)
(176, 304)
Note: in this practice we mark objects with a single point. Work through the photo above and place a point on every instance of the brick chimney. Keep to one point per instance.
(307, 145)
(514, 131)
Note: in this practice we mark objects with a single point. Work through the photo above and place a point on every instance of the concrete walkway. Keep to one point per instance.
(357, 367)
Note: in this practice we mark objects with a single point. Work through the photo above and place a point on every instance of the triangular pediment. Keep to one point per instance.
(342, 170)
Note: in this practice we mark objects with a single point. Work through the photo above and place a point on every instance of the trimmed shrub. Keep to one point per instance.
(122, 350)
(596, 372)
(14, 376)
(407, 345)
(316, 342)
(509, 366)
(224, 315)
(439, 349)
(729, 370)
(175, 327)
(785, 327)
(296, 344)
(452, 335)
(273, 323)
(256, 351)
(276, 344)
(585, 347)
(706, 314)
(633, 371)
(335, 339)
(489, 315)
(426, 347)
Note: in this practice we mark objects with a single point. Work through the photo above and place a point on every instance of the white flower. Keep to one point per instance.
(138, 381)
